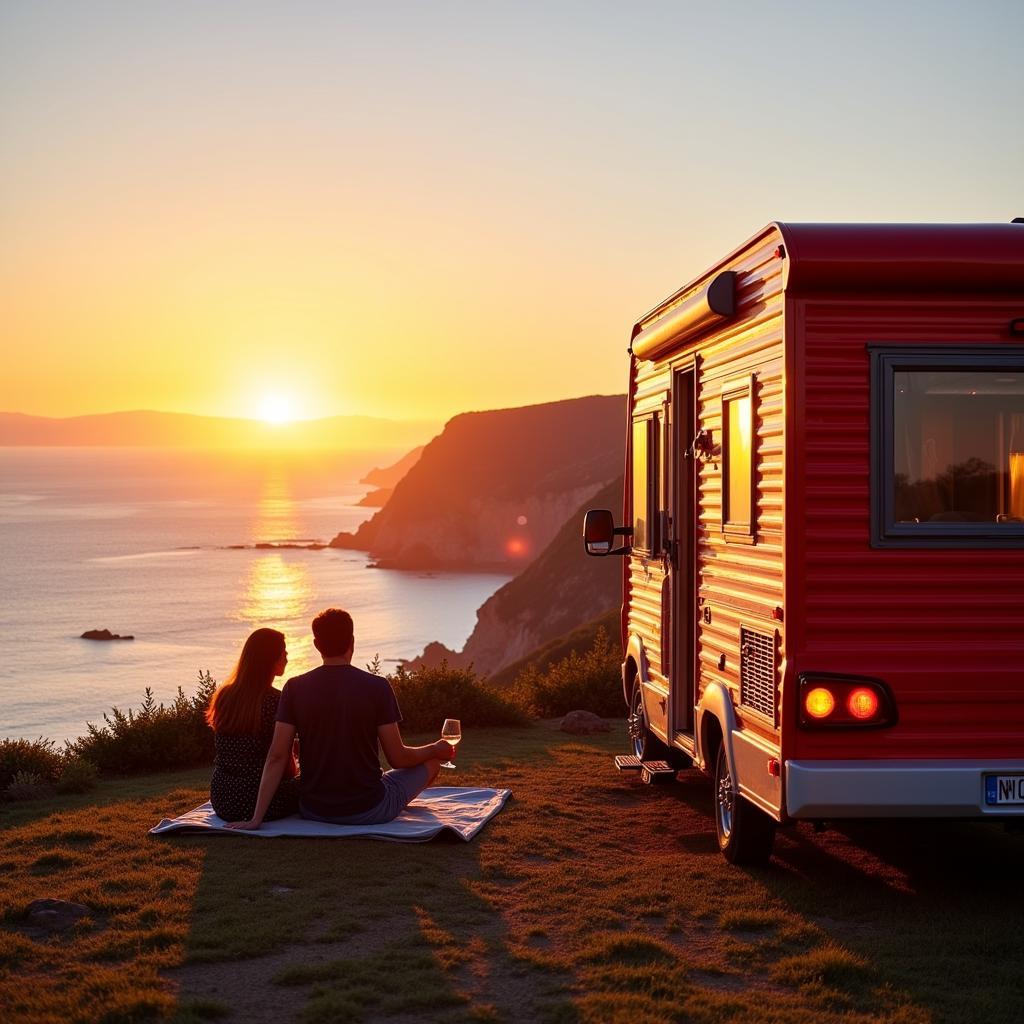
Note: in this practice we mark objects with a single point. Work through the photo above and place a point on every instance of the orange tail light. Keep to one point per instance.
(828, 700)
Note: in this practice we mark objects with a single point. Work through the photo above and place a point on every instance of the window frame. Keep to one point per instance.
(886, 361)
(650, 422)
(743, 532)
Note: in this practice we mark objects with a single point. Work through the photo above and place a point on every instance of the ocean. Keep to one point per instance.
(139, 541)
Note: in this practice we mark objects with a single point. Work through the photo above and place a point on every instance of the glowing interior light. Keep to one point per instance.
(862, 703)
(819, 702)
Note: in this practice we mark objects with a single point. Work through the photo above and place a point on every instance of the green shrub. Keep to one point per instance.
(579, 682)
(39, 757)
(428, 696)
(156, 737)
(28, 786)
(77, 776)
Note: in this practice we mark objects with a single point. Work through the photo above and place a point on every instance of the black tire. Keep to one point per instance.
(746, 834)
(642, 742)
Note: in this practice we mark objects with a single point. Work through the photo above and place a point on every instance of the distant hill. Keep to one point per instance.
(388, 476)
(560, 591)
(383, 480)
(182, 430)
(493, 489)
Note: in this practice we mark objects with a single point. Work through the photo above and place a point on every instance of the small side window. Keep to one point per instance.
(645, 464)
(738, 459)
(948, 447)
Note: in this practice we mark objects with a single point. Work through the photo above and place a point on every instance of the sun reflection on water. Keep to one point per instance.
(278, 588)
(275, 520)
(276, 591)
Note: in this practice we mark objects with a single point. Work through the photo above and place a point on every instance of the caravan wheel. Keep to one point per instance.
(642, 742)
(745, 833)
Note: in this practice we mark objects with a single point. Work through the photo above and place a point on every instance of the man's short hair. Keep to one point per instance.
(333, 632)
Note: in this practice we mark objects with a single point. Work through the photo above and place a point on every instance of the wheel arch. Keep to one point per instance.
(634, 666)
(716, 722)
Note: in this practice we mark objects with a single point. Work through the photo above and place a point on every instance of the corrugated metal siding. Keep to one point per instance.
(945, 628)
(741, 584)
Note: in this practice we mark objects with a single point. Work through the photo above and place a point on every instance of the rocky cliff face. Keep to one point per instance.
(562, 589)
(494, 488)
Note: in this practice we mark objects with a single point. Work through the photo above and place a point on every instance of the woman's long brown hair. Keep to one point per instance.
(235, 707)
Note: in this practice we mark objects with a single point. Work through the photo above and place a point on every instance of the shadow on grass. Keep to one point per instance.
(327, 930)
(926, 912)
(590, 897)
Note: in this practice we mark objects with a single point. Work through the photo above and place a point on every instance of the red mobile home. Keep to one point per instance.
(823, 571)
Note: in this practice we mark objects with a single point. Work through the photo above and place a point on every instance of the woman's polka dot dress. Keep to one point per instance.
(238, 766)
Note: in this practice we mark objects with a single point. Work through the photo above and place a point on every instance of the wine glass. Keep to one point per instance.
(452, 732)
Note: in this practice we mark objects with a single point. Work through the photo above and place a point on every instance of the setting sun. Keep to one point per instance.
(276, 409)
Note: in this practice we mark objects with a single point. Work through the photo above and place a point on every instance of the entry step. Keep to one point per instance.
(656, 771)
(650, 771)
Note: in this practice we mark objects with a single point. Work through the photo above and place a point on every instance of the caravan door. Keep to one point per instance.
(683, 453)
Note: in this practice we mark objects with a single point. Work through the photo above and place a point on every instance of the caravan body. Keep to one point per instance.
(823, 583)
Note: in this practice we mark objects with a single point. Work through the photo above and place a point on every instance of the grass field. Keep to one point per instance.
(589, 898)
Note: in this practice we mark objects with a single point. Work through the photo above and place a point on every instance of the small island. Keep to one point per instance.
(103, 634)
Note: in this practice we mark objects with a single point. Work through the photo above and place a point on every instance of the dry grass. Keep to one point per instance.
(589, 898)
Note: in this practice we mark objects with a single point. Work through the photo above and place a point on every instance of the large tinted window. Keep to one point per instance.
(952, 464)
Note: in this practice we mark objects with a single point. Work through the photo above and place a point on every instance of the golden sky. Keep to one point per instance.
(420, 209)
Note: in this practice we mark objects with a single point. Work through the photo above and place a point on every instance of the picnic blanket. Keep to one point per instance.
(459, 809)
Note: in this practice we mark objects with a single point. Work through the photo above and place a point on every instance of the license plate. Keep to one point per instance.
(1004, 789)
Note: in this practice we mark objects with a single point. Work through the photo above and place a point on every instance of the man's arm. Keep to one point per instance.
(273, 768)
(401, 756)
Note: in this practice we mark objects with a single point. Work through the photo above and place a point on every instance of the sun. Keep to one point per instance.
(276, 409)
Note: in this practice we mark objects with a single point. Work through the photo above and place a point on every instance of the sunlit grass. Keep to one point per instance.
(589, 898)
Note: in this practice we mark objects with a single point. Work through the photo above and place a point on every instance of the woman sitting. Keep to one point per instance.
(242, 714)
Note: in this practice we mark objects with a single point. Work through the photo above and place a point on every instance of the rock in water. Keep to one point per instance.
(103, 634)
(55, 915)
(583, 723)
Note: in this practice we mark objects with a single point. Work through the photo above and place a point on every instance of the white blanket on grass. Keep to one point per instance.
(462, 810)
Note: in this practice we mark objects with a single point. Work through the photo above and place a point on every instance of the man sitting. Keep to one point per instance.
(340, 713)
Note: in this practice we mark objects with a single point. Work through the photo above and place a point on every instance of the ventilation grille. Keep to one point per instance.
(757, 673)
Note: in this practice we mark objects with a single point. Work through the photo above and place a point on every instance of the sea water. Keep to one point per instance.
(159, 544)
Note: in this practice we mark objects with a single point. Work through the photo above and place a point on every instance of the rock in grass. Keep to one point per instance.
(103, 634)
(55, 915)
(583, 723)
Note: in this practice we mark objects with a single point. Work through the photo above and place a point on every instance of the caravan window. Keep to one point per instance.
(949, 464)
(738, 459)
(644, 467)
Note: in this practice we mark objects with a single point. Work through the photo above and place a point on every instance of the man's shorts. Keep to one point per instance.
(401, 787)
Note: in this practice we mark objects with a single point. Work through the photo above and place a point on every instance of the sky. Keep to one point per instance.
(412, 210)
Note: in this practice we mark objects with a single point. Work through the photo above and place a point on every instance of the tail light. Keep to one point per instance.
(836, 701)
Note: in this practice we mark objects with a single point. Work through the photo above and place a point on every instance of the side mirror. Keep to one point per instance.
(599, 532)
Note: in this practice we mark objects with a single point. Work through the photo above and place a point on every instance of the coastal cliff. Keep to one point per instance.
(494, 488)
(558, 592)
(383, 480)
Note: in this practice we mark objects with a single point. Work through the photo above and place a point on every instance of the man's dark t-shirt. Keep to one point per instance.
(336, 710)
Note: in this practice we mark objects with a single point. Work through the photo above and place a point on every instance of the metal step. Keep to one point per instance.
(627, 763)
(653, 772)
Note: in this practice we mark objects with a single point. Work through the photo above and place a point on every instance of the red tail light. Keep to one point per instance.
(862, 704)
(835, 701)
